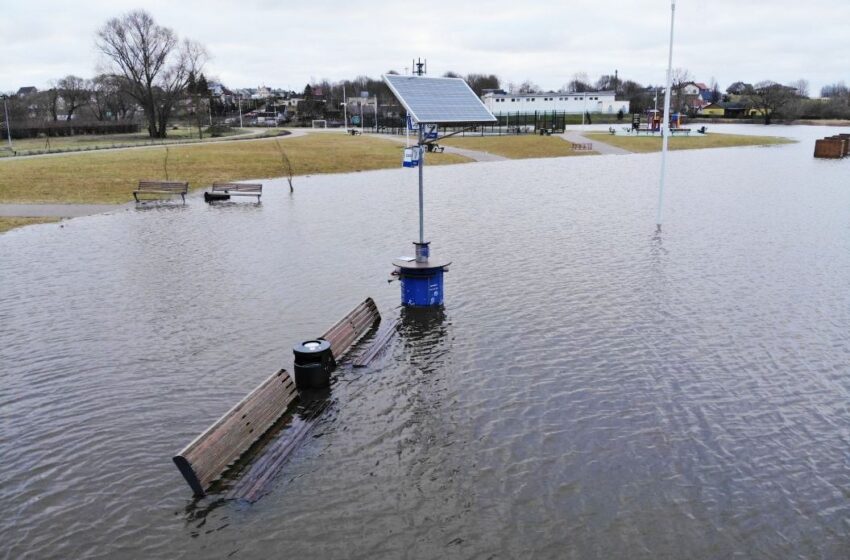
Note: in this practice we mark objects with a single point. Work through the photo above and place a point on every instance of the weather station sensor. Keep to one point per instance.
(431, 104)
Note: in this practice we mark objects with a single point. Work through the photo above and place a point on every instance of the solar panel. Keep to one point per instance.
(438, 100)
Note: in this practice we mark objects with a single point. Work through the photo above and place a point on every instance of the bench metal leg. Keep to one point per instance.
(136, 196)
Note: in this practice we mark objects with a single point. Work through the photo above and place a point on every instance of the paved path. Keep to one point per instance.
(251, 136)
(600, 147)
(56, 210)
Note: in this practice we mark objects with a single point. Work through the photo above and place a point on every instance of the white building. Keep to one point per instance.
(560, 102)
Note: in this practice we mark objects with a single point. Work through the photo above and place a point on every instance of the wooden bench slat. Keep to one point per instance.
(162, 187)
(208, 456)
(348, 330)
(238, 189)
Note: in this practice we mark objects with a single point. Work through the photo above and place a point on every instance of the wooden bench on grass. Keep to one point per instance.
(238, 189)
(582, 147)
(162, 187)
(685, 131)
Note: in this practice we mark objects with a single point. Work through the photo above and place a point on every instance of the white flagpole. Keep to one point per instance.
(665, 123)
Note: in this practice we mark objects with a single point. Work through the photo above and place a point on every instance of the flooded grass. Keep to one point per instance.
(11, 223)
(111, 177)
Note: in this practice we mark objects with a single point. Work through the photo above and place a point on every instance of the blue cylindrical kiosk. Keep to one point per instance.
(421, 279)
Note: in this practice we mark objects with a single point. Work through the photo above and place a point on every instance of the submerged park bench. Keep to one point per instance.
(210, 454)
(238, 189)
(162, 187)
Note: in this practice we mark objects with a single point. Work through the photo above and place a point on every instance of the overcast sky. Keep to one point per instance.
(284, 43)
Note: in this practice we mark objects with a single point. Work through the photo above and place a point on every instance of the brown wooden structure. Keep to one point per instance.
(162, 187)
(238, 189)
(581, 146)
(830, 148)
(207, 457)
(203, 460)
(351, 328)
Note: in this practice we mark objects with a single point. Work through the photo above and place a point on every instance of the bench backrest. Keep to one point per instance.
(352, 327)
(238, 187)
(208, 456)
(161, 186)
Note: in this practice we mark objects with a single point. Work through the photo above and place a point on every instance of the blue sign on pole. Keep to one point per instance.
(410, 125)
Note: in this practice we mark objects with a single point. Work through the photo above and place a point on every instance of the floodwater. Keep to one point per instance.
(591, 390)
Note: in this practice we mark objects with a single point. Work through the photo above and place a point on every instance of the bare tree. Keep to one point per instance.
(48, 102)
(801, 87)
(771, 99)
(480, 82)
(105, 97)
(529, 87)
(579, 83)
(74, 92)
(155, 65)
(836, 90)
(680, 78)
(287, 165)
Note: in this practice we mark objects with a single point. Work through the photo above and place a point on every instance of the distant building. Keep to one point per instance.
(262, 92)
(27, 90)
(500, 102)
(724, 109)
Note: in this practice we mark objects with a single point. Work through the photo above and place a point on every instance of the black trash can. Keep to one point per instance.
(314, 363)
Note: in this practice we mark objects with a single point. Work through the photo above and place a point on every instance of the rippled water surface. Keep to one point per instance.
(590, 390)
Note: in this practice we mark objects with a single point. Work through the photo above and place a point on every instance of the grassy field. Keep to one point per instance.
(517, 147)
(31, 146)
(10, 223)
(111, 177)
(645, 144)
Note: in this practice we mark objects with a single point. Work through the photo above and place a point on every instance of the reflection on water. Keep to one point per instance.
(590, 390)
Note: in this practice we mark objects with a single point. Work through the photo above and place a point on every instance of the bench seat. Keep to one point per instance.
(238, 189)
(162, 187)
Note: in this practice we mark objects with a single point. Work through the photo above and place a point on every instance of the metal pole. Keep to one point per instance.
(361, 115)
(344, 109)
(240, 111)
(8, 124)
(665, 130)
(584, 109)
(376, 113)
(421, 197)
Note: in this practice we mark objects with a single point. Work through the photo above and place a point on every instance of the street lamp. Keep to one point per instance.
(8, 124)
